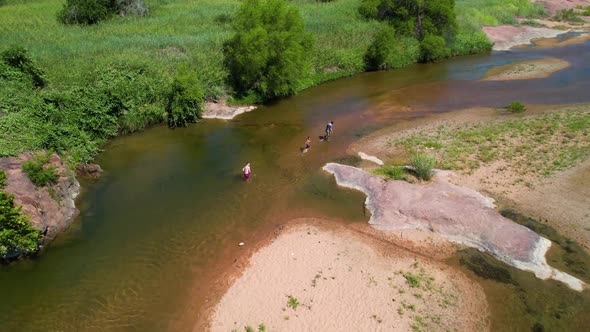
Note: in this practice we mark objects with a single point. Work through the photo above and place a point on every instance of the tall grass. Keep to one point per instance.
(473, 14)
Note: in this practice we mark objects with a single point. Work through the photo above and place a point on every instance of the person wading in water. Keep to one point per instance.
(329, 129)
(246, 170)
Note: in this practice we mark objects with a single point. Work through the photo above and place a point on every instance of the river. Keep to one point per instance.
(163, 223)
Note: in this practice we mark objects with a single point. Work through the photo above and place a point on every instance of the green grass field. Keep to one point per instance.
(174, 31)
(181, 30)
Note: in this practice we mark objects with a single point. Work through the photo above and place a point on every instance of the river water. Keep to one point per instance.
(162, 224)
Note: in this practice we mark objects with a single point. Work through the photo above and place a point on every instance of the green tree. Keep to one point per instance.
(414, 17)
(269, 54)
(185, 100)
(380, 49)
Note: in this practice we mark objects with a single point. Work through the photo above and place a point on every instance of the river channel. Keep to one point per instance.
(158, 228)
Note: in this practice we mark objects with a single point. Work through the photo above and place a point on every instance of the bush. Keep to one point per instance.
(381, 49)
(18, 58)
(270, 53)
(3, 178)
(516, 107)
(38, 172)
(433, 48)
(471, 43)
(86, 11)
(423, 165)
(567, 15)
(17, 236)
(185, 100)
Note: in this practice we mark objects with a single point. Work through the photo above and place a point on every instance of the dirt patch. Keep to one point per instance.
(505, 37)
(313, 278)
(526, 69)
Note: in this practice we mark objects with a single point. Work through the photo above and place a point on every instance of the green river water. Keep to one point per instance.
(163, 223)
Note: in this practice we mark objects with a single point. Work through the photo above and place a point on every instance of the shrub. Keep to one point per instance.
(3, 178)
(86, 11)
(270, 52)
(433, 48)
(380, 49)
(423, 165)
(471, 43)
(516, 107)
(567, 15)
(18, 58)
(38, 171)
(185, 100)
(392, 172)
(17, 236)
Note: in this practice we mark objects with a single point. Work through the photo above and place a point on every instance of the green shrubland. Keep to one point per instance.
(69, 88)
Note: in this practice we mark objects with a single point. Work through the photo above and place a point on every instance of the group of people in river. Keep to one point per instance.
(247, 171)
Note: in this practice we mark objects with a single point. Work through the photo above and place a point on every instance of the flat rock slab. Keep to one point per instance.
(526, 69)
(222, 111)
(460, 214)
(507, 36)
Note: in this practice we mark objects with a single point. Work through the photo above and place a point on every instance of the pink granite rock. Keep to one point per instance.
(460, 214)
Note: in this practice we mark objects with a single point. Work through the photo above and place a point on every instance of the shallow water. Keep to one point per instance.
(159, 227)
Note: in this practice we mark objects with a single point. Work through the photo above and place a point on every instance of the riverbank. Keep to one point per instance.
(331, 269)
(534, 161)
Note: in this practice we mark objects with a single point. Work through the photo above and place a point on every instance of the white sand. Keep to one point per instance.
(344, 280)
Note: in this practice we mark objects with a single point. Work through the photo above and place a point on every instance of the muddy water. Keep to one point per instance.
(158, 229)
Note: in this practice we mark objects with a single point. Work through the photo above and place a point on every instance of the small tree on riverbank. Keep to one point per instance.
(270, 52)
(185, 99)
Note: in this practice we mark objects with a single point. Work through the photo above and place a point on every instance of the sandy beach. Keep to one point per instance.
(314, 278)
(526, 69)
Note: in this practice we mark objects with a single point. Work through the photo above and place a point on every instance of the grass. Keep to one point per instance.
(292, 302)
(535, 145)
(413, 280)
(473, 14)
(423, 165)
(391, 172)
(174, 31)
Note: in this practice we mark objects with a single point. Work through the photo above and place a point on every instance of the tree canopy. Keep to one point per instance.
(269, 54)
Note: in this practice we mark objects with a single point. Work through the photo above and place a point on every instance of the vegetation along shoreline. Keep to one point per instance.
(72, 75)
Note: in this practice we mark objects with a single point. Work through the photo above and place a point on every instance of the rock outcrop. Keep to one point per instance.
(52, 206)
(460, 214)
(220, 110)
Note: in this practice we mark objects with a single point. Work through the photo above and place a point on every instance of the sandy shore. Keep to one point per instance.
(316, 278)
(526, 69)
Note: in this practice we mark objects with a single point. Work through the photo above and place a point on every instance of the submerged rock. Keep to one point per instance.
(460, 214)
(52, 206)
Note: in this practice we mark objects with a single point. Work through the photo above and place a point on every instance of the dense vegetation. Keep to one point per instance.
(94, 11)
(17, 236)
(77, 86)
(269, 56)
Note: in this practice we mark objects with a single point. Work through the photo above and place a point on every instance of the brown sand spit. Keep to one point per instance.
(314, 279)
(526, 69)
(558, 42)
(460, 214)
